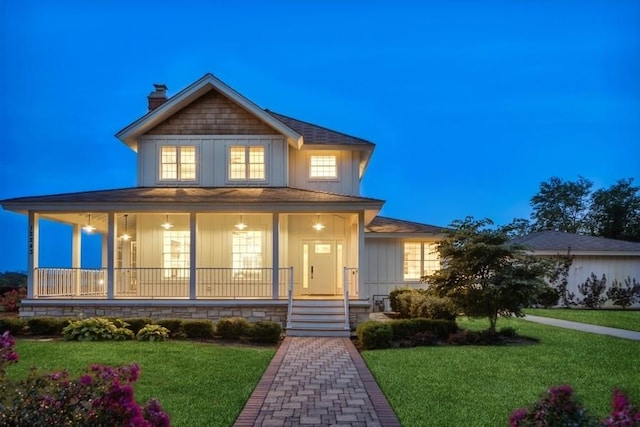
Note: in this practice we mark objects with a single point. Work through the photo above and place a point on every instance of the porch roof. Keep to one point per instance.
(382, 226)
(196, 199)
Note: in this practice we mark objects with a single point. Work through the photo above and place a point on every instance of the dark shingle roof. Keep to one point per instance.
(381, 224)
(560, 241)
(314, 134)
(190, 195)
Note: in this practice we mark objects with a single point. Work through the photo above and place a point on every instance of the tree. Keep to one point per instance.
(483, 274)
(615, 212)
(561, 205)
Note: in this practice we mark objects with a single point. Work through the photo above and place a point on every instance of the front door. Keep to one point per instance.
(322, 267)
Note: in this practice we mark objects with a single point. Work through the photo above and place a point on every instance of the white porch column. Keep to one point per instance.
(76, 253)
(111, 254)
(33, 246)
(193, 233)
(275, 248)
(362, 259)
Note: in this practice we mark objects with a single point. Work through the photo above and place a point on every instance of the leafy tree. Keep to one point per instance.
(615, 212)
(624, 296)
(593, 289)
(517, 228)
(483, 274)
(561, 205)
(559, 278)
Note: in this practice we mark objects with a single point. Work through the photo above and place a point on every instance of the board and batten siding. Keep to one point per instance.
(347, 181)
(211, 158)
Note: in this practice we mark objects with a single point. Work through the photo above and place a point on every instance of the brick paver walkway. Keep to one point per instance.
(317, 382)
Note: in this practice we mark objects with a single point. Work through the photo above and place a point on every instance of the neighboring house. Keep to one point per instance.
(238, 211)
(616, 259)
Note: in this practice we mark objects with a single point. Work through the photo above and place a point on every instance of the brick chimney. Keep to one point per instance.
(157, 97)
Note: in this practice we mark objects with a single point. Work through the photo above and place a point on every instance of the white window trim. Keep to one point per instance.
(179, 182)
(322, 178)
(425, 258)
(246, 145)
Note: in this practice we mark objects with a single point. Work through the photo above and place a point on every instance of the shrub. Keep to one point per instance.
(423, 339)
(393, 298)
(14, 325)
(404, 304)
(374, 334)
(439, 308)
(266, 331)
(547, 297)
(198, 328)
(508, 332)
(174, 326)
(592, 289)
(232, 327)
(95, 329)
(102, 396)
(441, 328)
(10, 300)
(624, 296)
(46, 325)
(557, 407)
(403, 328)
(153, 333)
(137, 323)
(623, 413)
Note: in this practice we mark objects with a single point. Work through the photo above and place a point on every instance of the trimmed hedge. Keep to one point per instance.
(137, 323)
(414, 303)
(232, 328)
(374, 334)
(202, 329)
(266, 331)
(174, 326)
(14, 325)
(47, 325)
(407, 328)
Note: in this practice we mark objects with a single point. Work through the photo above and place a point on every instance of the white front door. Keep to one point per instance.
(322, 267)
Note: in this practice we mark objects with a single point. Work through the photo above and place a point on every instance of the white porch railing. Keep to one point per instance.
(240, 283)
(70, 282)
(351, 281)
(151, 282)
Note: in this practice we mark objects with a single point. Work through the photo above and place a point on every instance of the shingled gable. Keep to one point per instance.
(130, 134)
(554, 242)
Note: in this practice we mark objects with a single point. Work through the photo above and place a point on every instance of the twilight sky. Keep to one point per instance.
(471, 104)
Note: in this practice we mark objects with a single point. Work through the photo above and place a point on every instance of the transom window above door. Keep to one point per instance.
(177, 163)
(247, 163)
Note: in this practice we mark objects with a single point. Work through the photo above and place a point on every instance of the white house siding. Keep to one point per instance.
(211, 156)
(347, 182)
(613, 267)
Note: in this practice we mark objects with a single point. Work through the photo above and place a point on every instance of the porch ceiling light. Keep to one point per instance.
(89, 228)
(241, 225)
(167, 225)
(318, 226)
(125, 235)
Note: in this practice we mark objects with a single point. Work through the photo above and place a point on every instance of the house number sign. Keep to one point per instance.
(31, 240)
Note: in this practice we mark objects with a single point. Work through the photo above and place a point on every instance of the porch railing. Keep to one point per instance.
(70, 282)
(351, 281)
(151, 282)
(240, 282)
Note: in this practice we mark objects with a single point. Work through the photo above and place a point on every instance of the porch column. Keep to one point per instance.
(76, 252)
(33, 245)
(193, 232)
(362, 259)
(111, 254)
(275, 248)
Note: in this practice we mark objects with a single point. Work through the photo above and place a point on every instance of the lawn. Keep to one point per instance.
(622, 319)
(480, 386)
(198, 384)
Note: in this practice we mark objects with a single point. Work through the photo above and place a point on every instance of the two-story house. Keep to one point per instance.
(238, 211)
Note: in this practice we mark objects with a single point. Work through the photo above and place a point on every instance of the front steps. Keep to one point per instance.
(317, 318)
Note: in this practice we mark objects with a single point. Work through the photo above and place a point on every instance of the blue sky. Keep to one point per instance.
(471, 104)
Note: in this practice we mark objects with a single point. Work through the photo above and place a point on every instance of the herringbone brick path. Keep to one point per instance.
(317, 382)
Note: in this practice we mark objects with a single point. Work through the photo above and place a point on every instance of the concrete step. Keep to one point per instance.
(317, 317)
(317, 310)
(318, 303)
(318, 333)
(317, 325)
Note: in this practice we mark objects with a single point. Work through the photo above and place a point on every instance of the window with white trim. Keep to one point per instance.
(323, 167)
(175, 254)
(420, 259)
(178, 163)
(247, 163)
(246, 248)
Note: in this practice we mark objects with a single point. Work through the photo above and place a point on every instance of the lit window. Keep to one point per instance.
(323, 167)
(175, 254)
(246, 254)
(178, 163)
(247, 163)
(420, 259)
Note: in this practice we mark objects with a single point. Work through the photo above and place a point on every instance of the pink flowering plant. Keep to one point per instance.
(558, 407)
(102, 396)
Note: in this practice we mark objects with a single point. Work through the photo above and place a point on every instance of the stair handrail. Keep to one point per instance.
(345, 288)
(290, 292)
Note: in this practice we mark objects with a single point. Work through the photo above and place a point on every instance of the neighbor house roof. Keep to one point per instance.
(559, 242)
(385, 227)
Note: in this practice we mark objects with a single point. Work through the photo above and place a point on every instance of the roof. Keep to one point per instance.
(199, 199)
(314, 134)
(558, 241)
(383, 225)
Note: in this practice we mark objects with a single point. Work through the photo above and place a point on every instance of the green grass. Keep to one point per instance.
(480, 386)
(622, 319)
(198, 384)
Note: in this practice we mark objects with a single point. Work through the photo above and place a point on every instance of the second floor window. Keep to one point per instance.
(323, 167)
(178, 163)
(247, 163)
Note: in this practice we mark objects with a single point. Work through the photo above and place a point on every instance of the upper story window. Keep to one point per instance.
(323, 167)
(178, 163)
(420, 259)
(247, 163)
